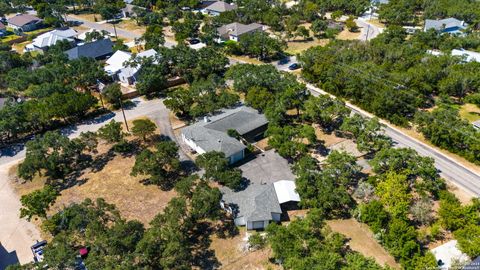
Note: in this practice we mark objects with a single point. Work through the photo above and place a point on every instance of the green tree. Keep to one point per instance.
(113, 94)
(109, 9)
(153, 37)
(53, 154)
(216, 169)
(162, 166)
(468, 240)
(325, 111)
(38, 202)
(143, 128)
(180, 100)
(394, 194)
(111, 132)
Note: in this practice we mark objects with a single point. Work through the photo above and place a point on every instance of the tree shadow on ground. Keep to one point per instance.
(203, 256)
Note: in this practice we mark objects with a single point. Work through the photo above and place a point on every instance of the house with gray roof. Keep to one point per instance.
(24, 22)
(449, 25)
(259, 204)
(234, 31)
(211, 134)
(99, 49)
(217, 7)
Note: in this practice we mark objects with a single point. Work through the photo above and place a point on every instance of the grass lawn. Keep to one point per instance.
(347, 35)
(20, 46)
(469, 112)
(298, 46)
(361, 239)
(34, 33)
(377, 23)
(131, 25)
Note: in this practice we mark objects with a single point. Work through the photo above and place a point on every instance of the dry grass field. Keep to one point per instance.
(361, 240)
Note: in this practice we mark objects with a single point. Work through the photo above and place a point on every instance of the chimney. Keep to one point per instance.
(205, 119)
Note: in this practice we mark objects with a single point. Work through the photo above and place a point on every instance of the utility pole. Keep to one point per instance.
(368, 31)
(123, 112)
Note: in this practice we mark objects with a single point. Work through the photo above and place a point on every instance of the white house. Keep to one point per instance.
(118, 68)
(468, 56)
(43, 41)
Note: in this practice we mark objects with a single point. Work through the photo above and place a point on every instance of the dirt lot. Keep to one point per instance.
(361, 240)
(298, 46)
(347, 35)
(113, 182)
(131, 25)
(231, 254)
(133, 199)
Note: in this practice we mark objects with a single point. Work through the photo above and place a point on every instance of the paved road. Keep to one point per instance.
(368, 30)
(17, 235)
(449, 168)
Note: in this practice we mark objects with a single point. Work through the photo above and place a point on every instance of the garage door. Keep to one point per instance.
(257, 225)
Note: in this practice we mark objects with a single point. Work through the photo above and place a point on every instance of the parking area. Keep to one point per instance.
(267, 167)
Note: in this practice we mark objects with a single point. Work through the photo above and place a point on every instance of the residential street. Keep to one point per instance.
(17, 235)
(449, 168)
(368, 30)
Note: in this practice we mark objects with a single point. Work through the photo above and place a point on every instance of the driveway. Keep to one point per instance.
(17, 235)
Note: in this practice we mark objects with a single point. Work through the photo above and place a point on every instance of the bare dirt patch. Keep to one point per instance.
(361, 240)
(328, 139)
(232, 255)
(132, 26)
(298, 46)
(133, 199)
(347, 35)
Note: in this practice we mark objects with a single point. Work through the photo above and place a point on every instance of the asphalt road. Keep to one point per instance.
(368, 30)
(449, 168)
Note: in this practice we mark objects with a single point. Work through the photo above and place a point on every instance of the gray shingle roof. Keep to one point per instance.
(2, 26)
(220, 6)
(238, 29)
(212, 135)
(23, 19)
(255, 203)
(96, 49)
(444, 23)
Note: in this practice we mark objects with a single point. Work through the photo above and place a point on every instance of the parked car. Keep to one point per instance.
(294, 66)
(194, 41)
(284, 61)
(37, 250)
